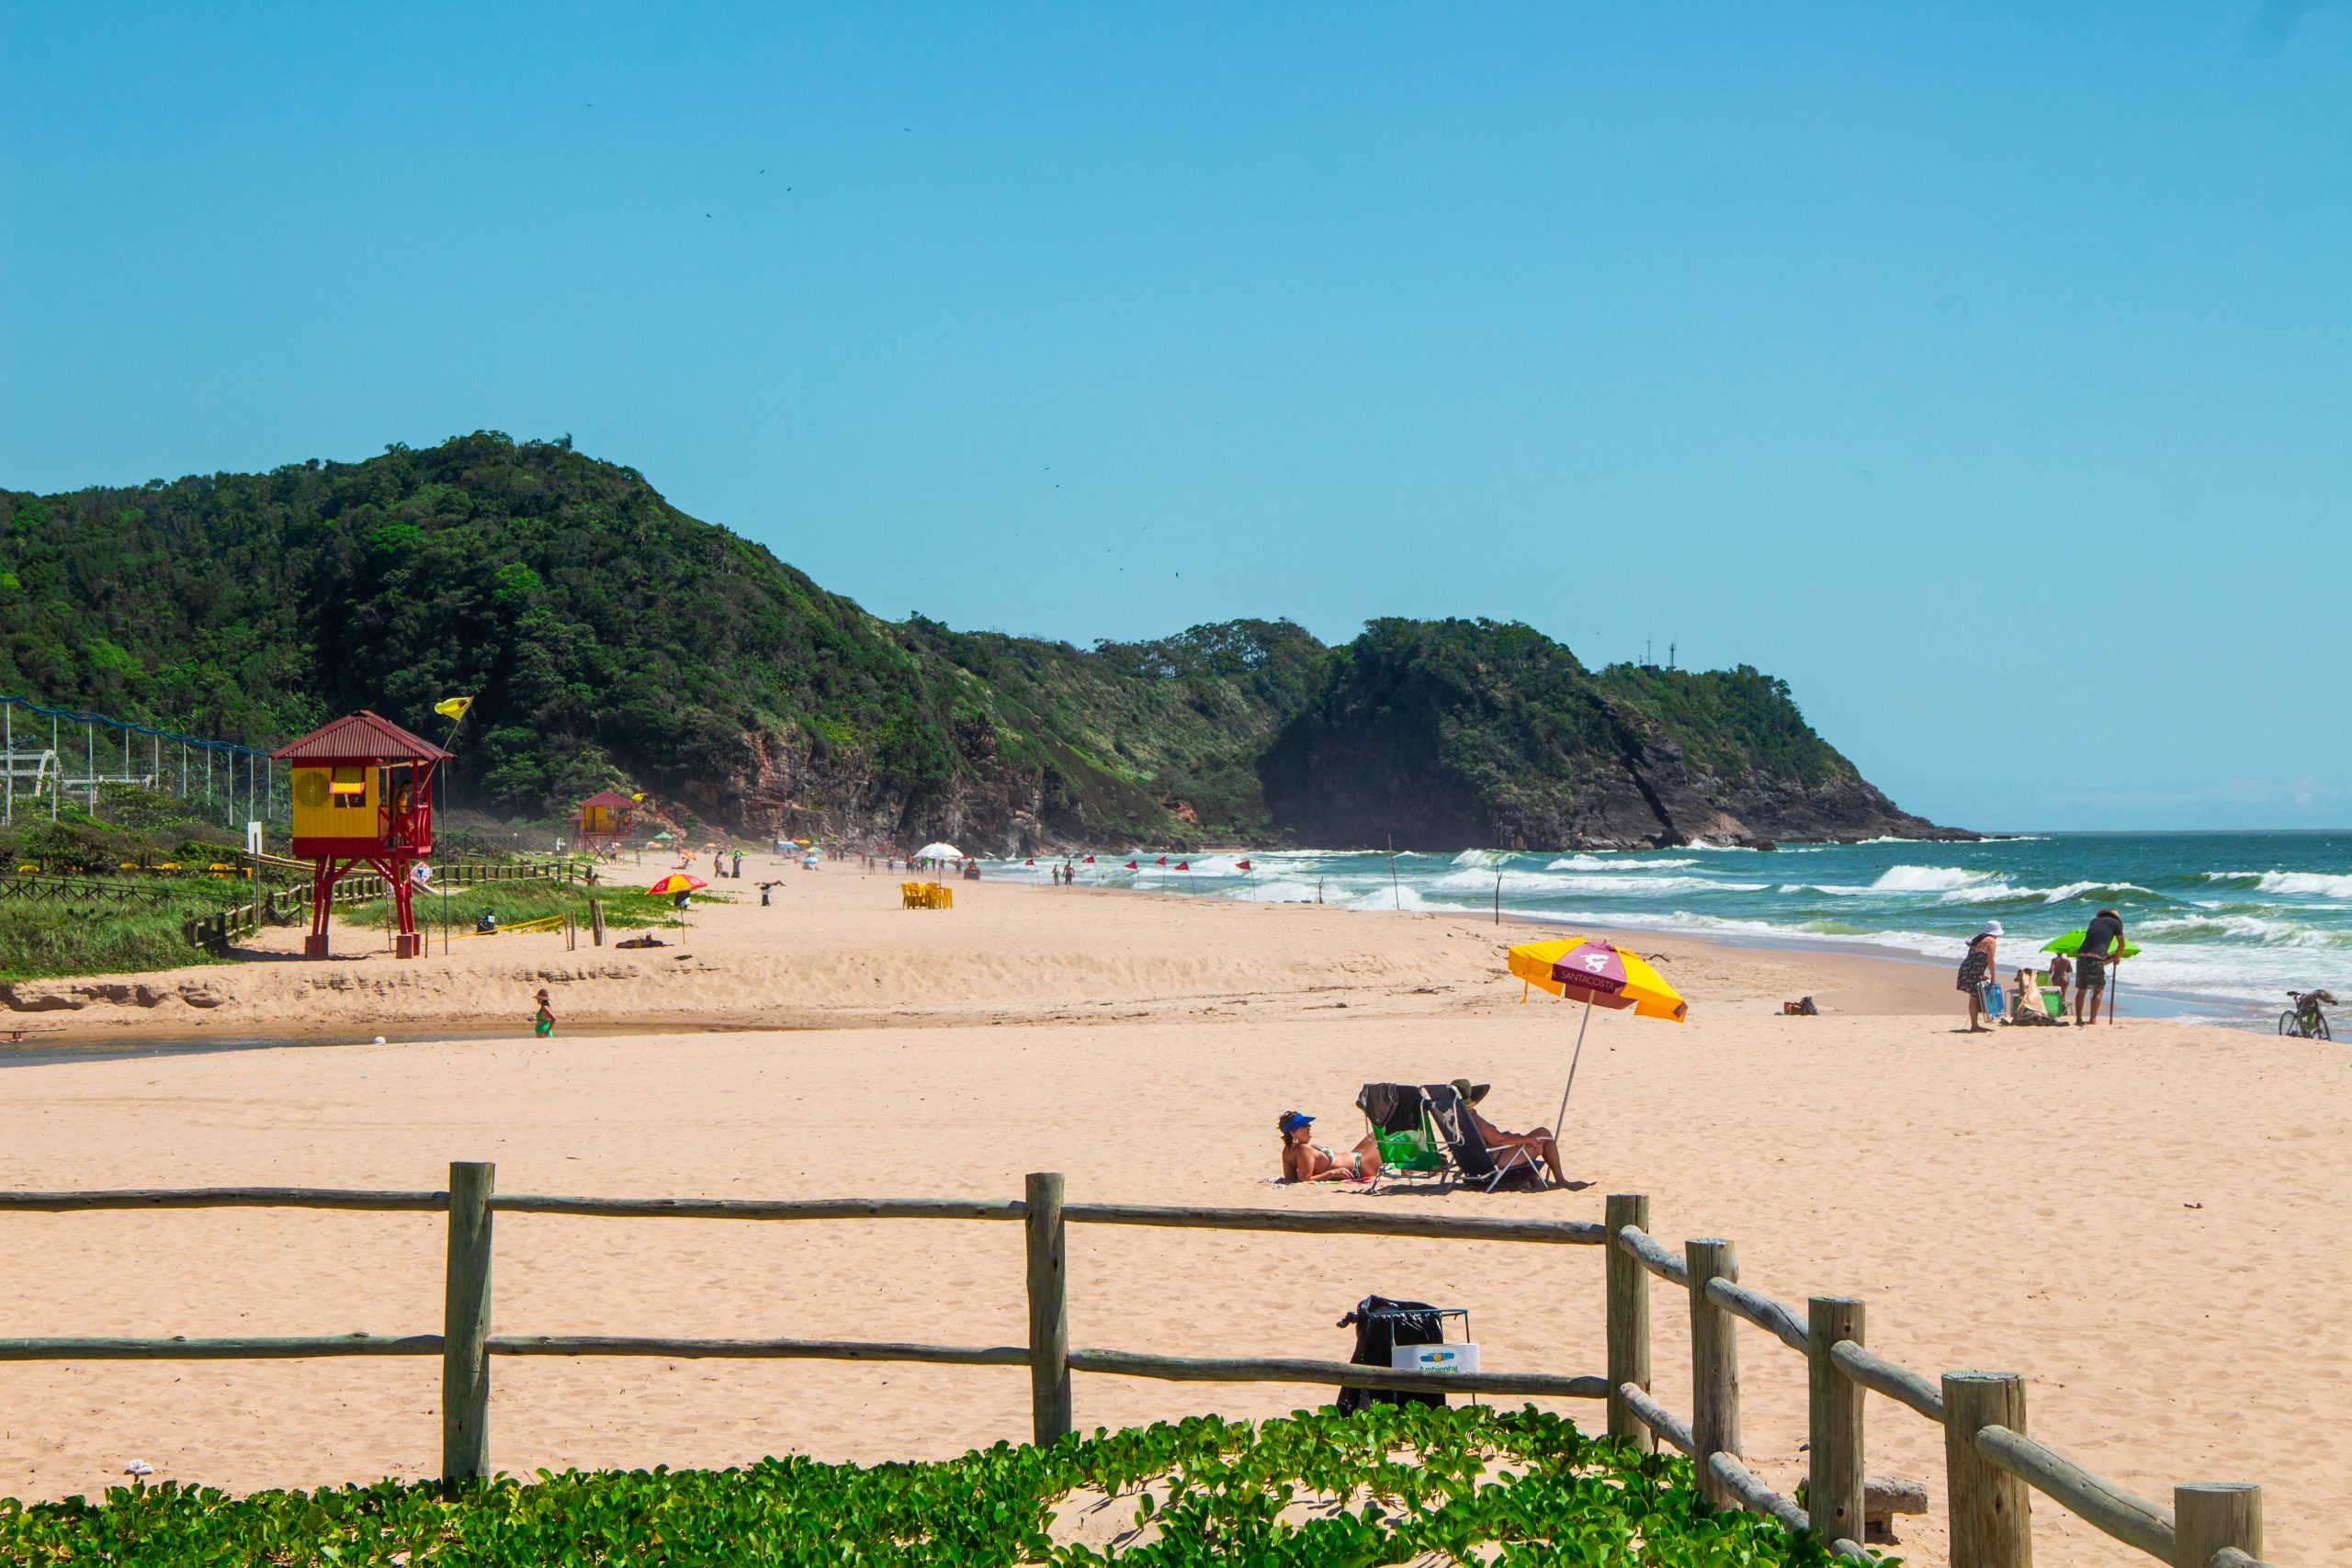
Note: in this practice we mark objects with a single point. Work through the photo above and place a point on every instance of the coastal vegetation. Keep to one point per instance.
(127, 885)
(1389, 1484)
(609, 638)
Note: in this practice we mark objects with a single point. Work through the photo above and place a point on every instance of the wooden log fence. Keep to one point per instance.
(1991, 1465)
(291, 906)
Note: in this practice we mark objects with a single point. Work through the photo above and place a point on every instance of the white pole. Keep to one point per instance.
(57, 783)
(1563, 1116)
(90, 756)
(8, 724)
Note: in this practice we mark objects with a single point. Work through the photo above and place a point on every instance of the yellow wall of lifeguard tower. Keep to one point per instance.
(320, 811)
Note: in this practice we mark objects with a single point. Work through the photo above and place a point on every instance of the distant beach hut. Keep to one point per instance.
(604, 821)
(363, 795)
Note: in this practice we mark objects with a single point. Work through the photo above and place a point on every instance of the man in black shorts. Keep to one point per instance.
(2102, 945)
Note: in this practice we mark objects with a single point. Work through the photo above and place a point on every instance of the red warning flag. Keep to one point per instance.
(1161, 861)
(1031, 861)
(1242, 866)
(1089, 860)
(1183, 865)
(1131, 865)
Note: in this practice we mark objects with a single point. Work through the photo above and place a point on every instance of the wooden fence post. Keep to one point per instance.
(1991, 1523)
(1048, 1309)
(465, 1326)
(1714, 1366)
(2209, 1516)
(597, 920)
(1629, 1319)
(1834, 1480)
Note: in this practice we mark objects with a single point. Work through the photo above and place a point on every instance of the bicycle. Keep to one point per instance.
(2305, 1020)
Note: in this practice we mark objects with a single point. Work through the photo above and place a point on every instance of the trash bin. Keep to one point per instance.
(1381, 1326)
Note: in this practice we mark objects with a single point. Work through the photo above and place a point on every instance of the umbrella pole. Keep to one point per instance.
(1582, 1024)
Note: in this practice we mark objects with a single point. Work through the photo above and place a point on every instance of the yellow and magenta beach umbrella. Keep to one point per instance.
(1598, 975)
(677, 881)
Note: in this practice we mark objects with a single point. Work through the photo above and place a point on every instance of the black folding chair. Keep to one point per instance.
(1467, 1148)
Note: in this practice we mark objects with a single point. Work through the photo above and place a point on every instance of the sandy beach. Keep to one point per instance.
(2138, 1218)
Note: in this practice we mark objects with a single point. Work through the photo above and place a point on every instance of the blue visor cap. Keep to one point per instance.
(1293, 1120)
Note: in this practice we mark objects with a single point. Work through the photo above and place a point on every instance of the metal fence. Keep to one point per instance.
(48, 755)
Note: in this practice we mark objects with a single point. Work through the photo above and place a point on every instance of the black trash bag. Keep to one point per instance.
(1382, 1324)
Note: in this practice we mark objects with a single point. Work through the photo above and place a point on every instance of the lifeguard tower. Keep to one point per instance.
(363, 794)
(604, 820)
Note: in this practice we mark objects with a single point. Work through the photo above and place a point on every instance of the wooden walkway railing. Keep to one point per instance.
(1990, 1465)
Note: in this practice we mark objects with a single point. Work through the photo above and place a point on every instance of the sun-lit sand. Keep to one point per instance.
(2141, 1219)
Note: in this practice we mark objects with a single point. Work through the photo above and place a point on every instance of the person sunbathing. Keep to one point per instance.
(1304, 1160)
(1540, 1144)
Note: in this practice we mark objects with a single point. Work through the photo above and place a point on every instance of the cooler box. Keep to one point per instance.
(1458, 1357)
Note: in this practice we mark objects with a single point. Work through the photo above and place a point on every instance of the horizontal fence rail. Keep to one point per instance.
(183, 1348)
(758, 1208)
(1989, 1459)
(756, 1349)
(1334, 1374)
(229, 1198)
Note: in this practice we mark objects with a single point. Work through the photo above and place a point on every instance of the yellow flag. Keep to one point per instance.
(454, 707)
(639, 796)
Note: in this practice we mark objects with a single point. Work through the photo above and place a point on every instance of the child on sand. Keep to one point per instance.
(543, 1023)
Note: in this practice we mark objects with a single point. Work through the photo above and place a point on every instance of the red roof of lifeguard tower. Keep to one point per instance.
(606, 797)
(361, 737)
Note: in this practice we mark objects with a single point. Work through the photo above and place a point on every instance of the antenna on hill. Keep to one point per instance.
(1670, 656)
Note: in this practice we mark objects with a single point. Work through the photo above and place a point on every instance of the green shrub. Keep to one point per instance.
(1388, 1486)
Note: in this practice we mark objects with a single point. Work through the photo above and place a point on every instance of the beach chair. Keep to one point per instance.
(910, 896)
(1467, 1146)
(1396, 1114)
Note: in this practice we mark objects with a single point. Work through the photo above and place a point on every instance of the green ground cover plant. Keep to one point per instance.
(44, 938)
(1319, 1490)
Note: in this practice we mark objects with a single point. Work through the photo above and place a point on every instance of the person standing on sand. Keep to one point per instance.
(542, 1022)
(1976, 969)
(2102, 945)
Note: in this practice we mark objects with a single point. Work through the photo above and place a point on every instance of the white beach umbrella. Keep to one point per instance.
(939, 852)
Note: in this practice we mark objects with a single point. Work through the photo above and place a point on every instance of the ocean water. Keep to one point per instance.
(2230, 922)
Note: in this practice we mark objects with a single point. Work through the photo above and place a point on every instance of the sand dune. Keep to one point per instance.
(2137, 1218)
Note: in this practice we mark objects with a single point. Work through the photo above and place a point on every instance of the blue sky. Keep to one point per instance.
(1985, 371)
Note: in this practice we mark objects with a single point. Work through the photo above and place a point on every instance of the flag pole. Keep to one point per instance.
(1573, 1060)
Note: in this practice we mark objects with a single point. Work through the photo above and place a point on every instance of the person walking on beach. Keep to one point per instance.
(1977, 968)
(2102, 945)
(542, 1022)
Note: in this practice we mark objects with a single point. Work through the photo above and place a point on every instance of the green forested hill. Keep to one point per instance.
(610, 637)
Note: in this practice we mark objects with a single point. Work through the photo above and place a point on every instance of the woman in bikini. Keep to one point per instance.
(1304, 1160)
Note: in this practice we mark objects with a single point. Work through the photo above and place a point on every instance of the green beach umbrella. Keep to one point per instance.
(2072, 943)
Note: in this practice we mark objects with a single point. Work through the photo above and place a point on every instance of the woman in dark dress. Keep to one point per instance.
(1976, 969)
